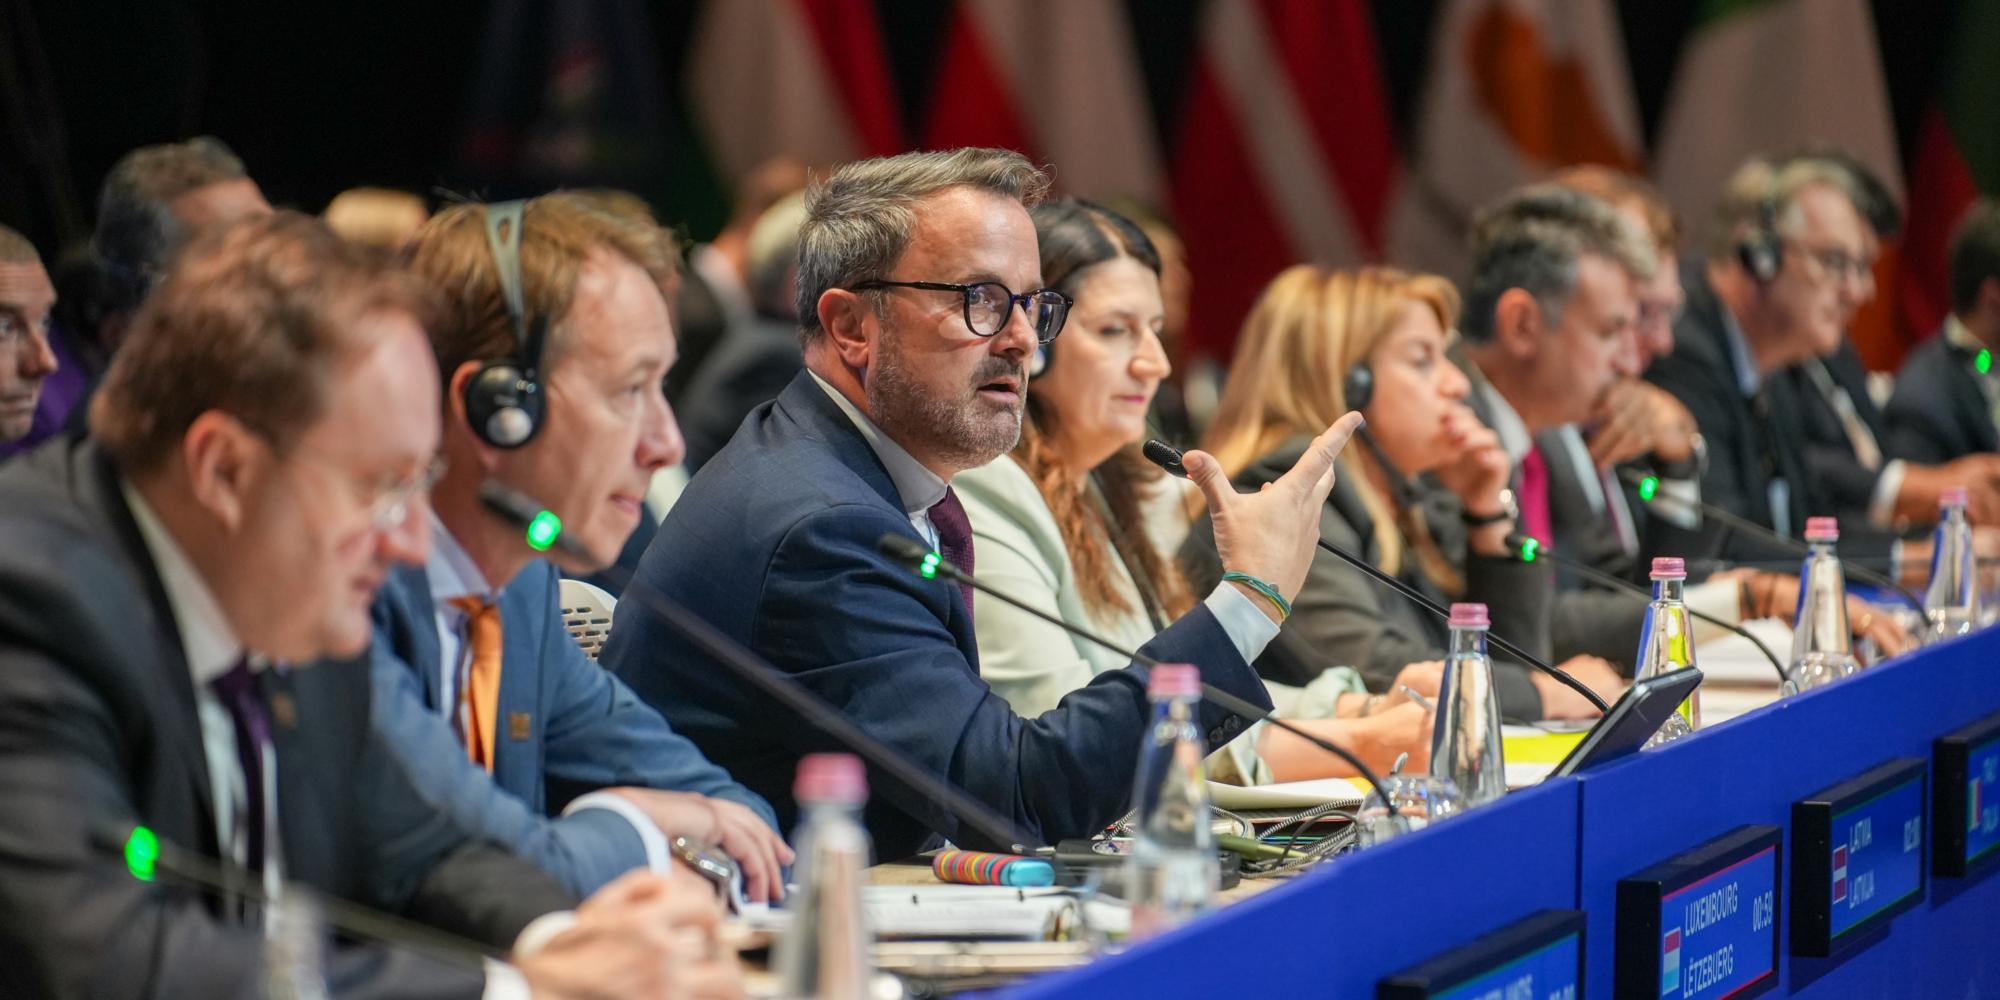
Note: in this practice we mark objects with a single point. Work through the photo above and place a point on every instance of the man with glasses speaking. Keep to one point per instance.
(920, 303)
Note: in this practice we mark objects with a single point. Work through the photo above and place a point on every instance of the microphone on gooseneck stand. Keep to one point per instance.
(1530, 550)
(544, 532)
(926, 563)
(1167, 457)
(148, 858)
(1649, 485)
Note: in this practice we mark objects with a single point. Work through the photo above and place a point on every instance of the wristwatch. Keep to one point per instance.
(707, 862)
(1510, 510)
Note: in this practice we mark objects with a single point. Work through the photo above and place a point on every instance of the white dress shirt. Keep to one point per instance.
(1249, 629)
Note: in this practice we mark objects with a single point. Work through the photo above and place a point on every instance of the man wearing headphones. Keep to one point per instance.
(553, 346)
(1786, 268)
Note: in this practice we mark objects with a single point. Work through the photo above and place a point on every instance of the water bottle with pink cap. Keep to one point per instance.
(1666, 644)
(1821, 649)
(1172, 871)
(1465, 740)
(825, 951)
(1951, 603)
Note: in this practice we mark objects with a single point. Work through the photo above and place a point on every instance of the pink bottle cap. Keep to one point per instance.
(1822, 529)
(1670, 567)
(831, 777)
(1953, 496)
(1469, 616)
(1174, 680)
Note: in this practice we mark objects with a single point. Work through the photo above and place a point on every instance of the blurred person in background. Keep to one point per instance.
(715, 292)
(1947, 400)
(378, 217)
(760, 354)
(28, 358)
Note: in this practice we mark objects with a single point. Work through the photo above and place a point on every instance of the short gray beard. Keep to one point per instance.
(948, 429)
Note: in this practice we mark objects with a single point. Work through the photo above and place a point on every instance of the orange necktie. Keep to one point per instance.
(480, 693)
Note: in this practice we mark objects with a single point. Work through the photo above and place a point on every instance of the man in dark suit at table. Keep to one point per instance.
(1785, 270)
(253, 476)
(1947, 400)
(479, 688)
(920, 297)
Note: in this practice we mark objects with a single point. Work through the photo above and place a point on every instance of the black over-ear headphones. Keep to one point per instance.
(503, 401)
(1762, 252)
(1359, 386)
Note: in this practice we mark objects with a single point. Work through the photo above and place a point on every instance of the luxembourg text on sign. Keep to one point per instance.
(1716, 933)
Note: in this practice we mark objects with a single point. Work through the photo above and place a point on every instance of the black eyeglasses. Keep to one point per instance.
(989, 303)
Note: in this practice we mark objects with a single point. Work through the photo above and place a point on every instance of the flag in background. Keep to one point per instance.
(804, 78)
(1284, 152)
(1515, 90)
(1059, 81)
(1769, 76)
(1956, 160)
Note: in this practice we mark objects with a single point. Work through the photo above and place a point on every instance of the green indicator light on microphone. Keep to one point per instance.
(929, 567)
(542, 531)
(1648, 487)
(142, 853)
(1984, 362)
(1530, 547)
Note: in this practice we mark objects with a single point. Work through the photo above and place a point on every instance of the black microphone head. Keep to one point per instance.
(902, 548)
(1165, 456)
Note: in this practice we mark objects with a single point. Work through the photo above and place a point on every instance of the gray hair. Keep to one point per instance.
(1763, 185)
(858, 220)
(16, 249)
(1531, 239)
(136, 232)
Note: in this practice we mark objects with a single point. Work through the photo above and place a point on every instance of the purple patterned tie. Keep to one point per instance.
(239, 693)
(954, 532)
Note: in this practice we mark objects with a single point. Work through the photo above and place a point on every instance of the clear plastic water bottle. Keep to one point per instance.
(1951, 604)
(1171, 873)
(1821, 650)
(1465, 741)
(1666, 644)
(825, 951)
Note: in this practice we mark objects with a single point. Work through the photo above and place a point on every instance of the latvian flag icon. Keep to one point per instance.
(1839, 874)
(1670, 963)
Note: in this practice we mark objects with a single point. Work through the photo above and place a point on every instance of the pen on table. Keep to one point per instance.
(1414, 696)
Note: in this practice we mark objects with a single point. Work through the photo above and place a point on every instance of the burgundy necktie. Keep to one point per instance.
(954, 532)
(238, 692)
(1534, 498)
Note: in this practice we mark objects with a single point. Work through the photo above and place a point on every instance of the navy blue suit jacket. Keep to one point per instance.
(1938, 412)
(774, 544)
(565, 727)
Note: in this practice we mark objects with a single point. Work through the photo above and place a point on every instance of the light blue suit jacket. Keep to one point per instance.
(565, 727)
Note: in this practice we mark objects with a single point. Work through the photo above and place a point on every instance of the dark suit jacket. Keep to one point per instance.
(1586, 618)
(1832, 466)
(1750, 444)
(774, 544)
(754, 362)
(1344, 617)
(98, 732)
(1938, 411)
(566, 727)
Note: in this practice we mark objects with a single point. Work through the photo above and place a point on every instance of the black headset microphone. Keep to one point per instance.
(1167, 457)
(1738, 522)
(1520, 543)
(918, 557)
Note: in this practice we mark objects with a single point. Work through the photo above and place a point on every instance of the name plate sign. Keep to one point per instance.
(1703, 923)
(1538, 958)
(1857, 856)
(1966, 809)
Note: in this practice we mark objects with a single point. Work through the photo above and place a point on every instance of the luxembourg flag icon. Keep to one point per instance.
(1839, 874)
(1670, 963)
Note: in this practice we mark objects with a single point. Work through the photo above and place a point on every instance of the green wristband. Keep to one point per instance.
(1270, 593)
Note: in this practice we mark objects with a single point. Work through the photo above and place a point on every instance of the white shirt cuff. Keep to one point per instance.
(1681, 495)
(1248, 627)
(659, 857)
(505, 982)
(1882, 505)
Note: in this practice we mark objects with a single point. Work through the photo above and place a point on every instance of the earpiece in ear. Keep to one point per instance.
(1359, 386)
